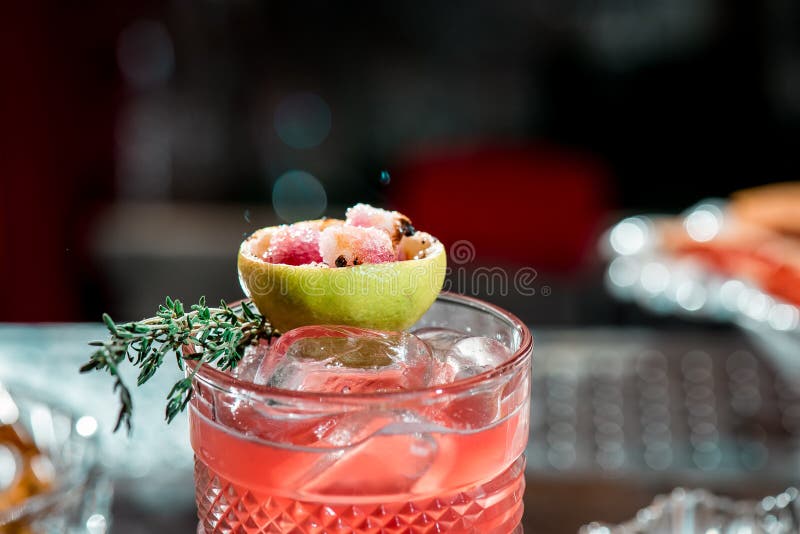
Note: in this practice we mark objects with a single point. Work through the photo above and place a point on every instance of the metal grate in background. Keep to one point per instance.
(697, 407)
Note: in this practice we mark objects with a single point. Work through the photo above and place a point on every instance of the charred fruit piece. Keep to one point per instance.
(416, 246)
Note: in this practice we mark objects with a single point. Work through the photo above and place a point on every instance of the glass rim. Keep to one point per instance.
(223, 381)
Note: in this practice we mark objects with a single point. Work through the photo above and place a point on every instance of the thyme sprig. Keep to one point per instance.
(219, 335)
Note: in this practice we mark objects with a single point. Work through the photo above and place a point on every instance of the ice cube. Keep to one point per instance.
(367, 439)
(251, 361)
(474, 355)
(463, 355)
(342, 359)
(439, 339)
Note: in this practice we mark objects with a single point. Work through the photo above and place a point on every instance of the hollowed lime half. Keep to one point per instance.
(383, 296)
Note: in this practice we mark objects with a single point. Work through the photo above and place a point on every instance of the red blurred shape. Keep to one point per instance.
(785, 283)
(57, 147)
(538, 205)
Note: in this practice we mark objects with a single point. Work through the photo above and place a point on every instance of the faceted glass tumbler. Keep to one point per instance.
(448, 458)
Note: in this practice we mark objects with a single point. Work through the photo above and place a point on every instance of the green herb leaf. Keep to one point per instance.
(219, 334)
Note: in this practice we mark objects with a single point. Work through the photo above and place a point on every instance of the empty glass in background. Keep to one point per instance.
(449, 458)
(50, 477)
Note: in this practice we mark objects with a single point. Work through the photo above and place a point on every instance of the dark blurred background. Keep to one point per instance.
(140, 141)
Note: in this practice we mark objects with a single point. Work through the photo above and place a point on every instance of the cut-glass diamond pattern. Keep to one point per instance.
(225, 508)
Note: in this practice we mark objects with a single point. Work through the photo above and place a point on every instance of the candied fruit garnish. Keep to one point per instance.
(296, 244)
(345, 245)
(392, 222)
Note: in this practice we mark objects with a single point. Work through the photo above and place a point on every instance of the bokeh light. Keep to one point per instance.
(96, 524)
(297, 195)
(729, 294)
(629, 236)
(704, 222)
(145, 54)
(9, 412)
(86, 426)
(623, 272)
(690, 295)
(784, 317)
(8, 467)
(655, 278)
(303, 120)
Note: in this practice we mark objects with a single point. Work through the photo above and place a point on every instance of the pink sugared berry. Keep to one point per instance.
(296, 244)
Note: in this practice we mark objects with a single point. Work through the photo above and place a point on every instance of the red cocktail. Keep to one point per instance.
(444, 458)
